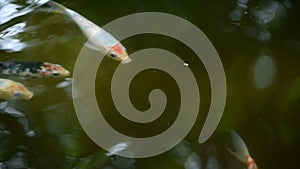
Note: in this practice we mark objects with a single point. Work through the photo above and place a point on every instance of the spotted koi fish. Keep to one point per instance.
(11, 90)
(98, 38)
(241, 151)
(32, 69)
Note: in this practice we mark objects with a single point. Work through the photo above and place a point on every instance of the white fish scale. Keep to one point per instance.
(4, 83)
(96, 35)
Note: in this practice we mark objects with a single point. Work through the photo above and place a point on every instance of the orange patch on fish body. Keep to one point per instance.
(251, 163)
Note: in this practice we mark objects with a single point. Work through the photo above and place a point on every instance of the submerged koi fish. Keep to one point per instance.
(11, 90)
(32, 69)
(98, 39)
(241, 151)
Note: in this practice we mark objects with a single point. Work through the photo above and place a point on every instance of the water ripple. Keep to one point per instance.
(10, 9)
(9, 40)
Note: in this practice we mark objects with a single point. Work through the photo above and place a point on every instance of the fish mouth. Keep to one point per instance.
(29, 95)
(66, 73)
(127, 60)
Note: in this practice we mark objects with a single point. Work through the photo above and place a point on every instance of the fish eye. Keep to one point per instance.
(113, 55)
(55, 74)
(16, 95)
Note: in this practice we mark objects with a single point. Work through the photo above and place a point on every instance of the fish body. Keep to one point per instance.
(98, 38)
(32, 69)
(241, 151)
(11, 90)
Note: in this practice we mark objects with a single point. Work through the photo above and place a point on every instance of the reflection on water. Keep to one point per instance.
(16, 36)
(193, 162)
(67, 86)
(10, 9)
(123, 162)
(267, 13)
(258, 42)
(258, 20)
(213, 159)
(9, 39)
(264, 72)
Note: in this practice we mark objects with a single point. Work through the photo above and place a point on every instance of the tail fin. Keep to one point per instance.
(57, 7)
(240, 149)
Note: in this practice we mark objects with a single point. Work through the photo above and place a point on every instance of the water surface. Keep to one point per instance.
(259, 46)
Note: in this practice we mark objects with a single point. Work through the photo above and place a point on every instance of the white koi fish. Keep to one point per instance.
(98, 39)
(241, 151)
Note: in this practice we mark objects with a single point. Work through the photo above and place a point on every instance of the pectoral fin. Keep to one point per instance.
(91, 46)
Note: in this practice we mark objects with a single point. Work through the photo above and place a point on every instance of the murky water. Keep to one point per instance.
(258, 42)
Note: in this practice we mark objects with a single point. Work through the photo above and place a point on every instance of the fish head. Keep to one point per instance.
(20, 92)
(10, 90)
(54, 70)
(118, 52)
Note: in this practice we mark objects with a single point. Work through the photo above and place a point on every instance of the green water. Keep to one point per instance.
(262, 73)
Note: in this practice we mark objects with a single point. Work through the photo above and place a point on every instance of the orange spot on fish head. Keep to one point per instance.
(118, 52)
(58, 68)
(118, 48)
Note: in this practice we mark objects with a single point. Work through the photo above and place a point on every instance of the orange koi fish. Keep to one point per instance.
(11, 90)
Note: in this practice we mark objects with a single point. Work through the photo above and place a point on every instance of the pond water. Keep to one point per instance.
(258, 42)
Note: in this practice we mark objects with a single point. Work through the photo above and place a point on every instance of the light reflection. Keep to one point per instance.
(268, 13)
(66, 85)
(9, 39)
(257, 21)
(212, 160)
(264, 72)
(9, 10)
(193, 162)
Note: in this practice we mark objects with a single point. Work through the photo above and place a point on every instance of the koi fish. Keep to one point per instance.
(11, 90)
(32, 69)
(98, 38)
(241, 151)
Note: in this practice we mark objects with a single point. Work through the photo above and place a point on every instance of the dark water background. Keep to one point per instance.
(260, 55)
